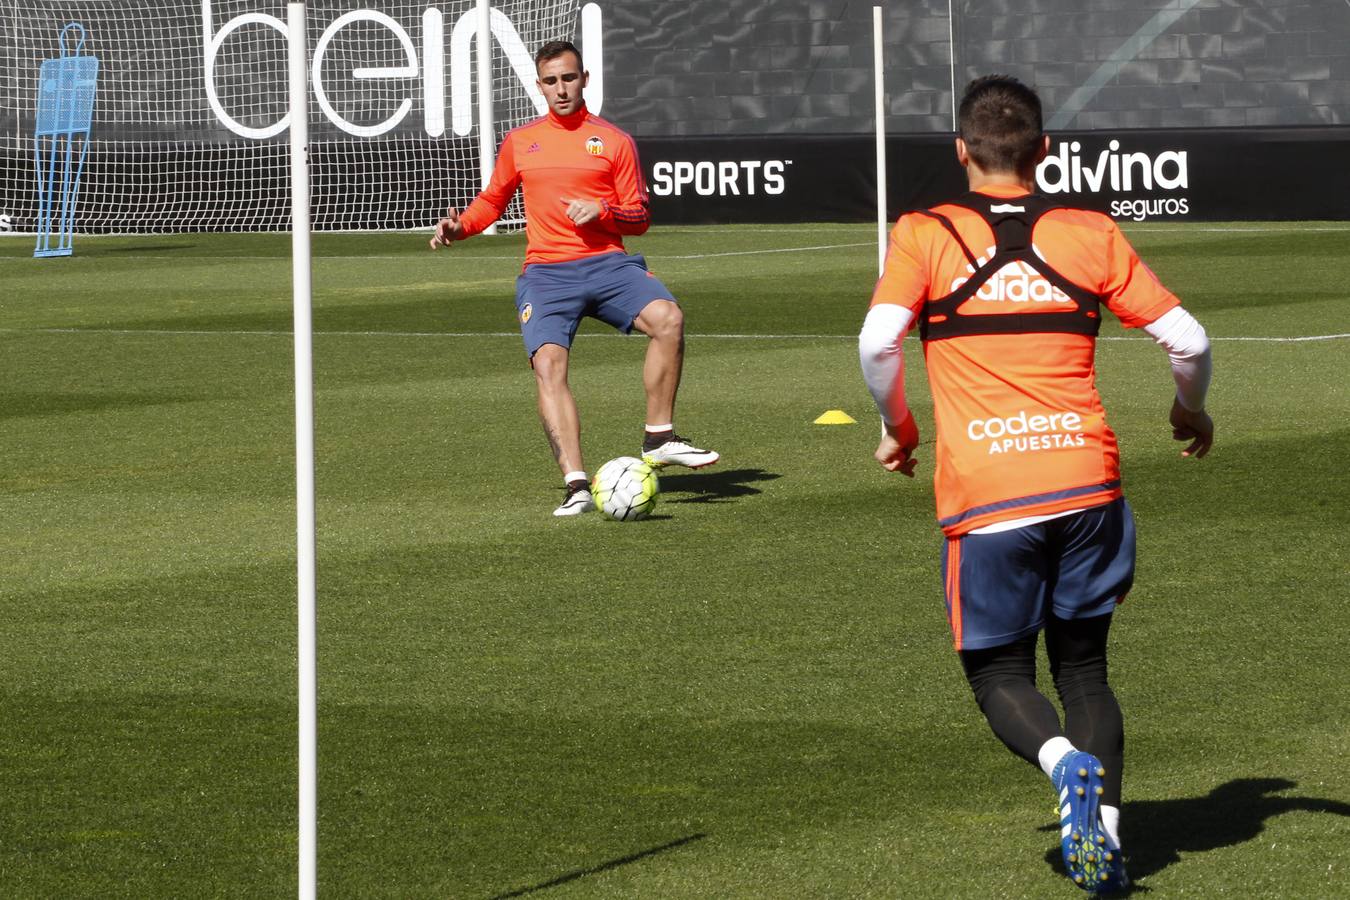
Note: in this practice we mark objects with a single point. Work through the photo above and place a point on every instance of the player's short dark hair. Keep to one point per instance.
(1000, 121)
(554, 49)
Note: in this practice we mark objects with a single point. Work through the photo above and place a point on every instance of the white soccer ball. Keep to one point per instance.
(625, 489)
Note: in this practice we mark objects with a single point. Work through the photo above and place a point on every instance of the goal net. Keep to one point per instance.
(190, 122)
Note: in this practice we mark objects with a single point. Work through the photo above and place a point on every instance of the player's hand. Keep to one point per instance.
(1196, 427)
(582, 211)
(897, 446)
(448, 230)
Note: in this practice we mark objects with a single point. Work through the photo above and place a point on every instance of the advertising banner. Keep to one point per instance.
(1201, 175)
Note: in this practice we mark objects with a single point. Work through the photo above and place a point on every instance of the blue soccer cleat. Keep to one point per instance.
(1091, 858)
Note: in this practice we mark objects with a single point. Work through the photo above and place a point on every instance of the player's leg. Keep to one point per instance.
(663, 322)
(562, 426)
(631, 297)
(1092, 717)
(549, 308)
(557, 406)
(995, 588)
(1095, 570)
(1003, 679)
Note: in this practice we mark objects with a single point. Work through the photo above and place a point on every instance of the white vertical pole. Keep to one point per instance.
(304, 451)
(486, 145)
(951, 52)
(879, 77)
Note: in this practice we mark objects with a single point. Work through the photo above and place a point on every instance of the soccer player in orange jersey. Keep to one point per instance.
(1008, 291)
(584, 191)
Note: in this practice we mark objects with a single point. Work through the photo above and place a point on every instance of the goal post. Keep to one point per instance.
(307, 769)
(190, 129)
(879, 83)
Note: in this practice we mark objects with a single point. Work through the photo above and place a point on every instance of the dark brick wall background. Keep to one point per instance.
(677, 67)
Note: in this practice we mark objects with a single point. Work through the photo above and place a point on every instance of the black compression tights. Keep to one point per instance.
(1004, 681)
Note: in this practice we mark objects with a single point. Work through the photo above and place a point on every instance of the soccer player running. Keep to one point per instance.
(584, 191)
(1007, 289)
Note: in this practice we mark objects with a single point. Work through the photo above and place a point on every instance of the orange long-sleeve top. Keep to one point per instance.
(556, 159)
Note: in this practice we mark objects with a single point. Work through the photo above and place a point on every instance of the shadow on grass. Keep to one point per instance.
(1257, 297)
(603, 867)
(428, 315)
(139, 248)
(1157, 832)
(28, 404)
(1254, 246)
(716, 487)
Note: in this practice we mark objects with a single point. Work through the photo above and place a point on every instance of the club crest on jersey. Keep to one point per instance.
(594, 146)
(526, 312)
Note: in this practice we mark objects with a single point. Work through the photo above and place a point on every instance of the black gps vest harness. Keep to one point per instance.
(1012, 221)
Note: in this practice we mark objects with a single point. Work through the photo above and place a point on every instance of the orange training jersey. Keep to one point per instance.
(1020, 426)
(580, 157)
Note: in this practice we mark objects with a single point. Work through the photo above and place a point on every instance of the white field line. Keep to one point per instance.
(227, 257)
(513, 257)
(1144, 228)
(1149, 228)
(808, 227)
(755, 252)
(132, 332)
(1140, 227)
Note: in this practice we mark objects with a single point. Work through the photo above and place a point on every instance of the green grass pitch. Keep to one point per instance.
(751, 694)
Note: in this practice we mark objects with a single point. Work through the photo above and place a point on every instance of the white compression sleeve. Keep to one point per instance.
(883, 360)
(1187, 346)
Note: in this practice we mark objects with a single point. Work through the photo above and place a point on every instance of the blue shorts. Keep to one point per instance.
(998, 586)
(552, 298)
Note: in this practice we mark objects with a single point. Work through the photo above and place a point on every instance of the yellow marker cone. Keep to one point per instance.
(835, 417)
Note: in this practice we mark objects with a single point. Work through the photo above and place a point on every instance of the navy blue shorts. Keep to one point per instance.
(552, 298)
(999, 586)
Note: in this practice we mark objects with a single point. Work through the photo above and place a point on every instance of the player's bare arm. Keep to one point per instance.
(582, 212)
(448, 230)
